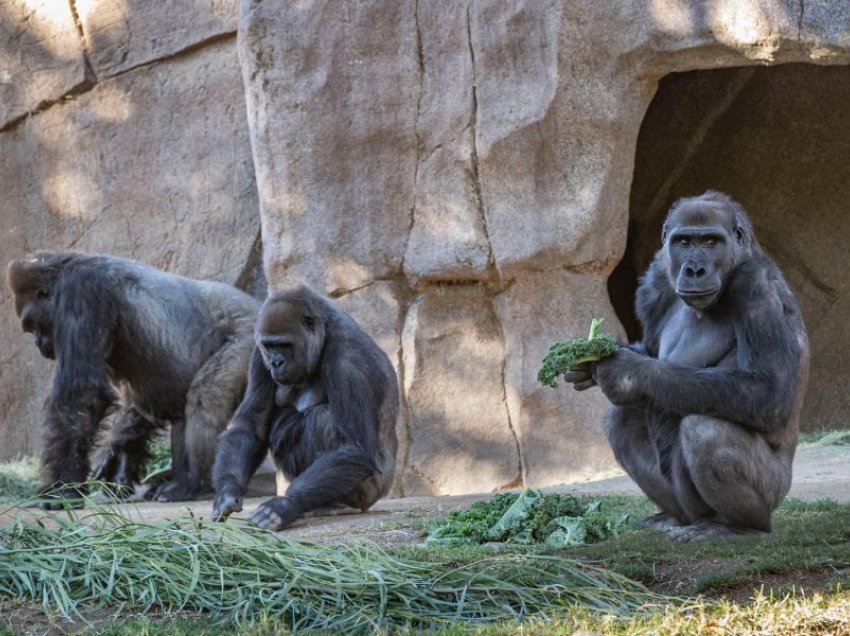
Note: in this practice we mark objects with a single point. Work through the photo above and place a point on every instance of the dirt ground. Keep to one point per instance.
(819, 472)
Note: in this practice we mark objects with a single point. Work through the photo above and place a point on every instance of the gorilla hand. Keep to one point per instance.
(582, 376)
(621, 376)
(226, 503)
(276, 513)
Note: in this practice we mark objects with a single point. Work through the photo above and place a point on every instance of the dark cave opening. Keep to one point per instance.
(776, 139)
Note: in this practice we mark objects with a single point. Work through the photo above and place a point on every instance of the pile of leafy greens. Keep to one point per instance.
(528, 518)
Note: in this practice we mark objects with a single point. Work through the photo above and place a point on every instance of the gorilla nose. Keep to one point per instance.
(692, 270)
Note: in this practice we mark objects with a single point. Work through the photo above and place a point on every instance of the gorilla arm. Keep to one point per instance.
(759, 392)
(242, 446)
(82, 392)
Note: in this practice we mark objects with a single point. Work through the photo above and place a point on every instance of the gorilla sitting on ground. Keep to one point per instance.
(176, 349)
(705, 411)
(323, 398)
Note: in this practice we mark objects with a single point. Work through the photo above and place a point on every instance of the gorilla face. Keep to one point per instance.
(290, 341)
(34, 306)
(702, 246)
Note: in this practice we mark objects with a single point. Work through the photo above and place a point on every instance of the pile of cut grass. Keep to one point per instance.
(76, 562)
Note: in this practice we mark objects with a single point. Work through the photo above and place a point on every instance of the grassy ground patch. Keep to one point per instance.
(195, 578)
(18, 479)
(82, 562)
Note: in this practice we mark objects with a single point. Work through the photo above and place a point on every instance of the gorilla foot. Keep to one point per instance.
(660, 521)
(62, 497)
(710, 530)
(175, 490)
(276, 514)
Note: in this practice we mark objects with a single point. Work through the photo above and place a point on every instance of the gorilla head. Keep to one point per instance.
(32, 282)
(290, 337)
(705, 238)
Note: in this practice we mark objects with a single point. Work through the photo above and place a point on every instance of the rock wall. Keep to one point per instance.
(131, 140)
(457, 174)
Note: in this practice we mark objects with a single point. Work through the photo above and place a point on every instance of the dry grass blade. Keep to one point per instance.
(238, 572)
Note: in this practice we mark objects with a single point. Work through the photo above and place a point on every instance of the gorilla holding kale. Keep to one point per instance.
(175, 349)
(705, 411)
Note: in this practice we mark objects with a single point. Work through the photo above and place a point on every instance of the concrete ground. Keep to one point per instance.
(819, 472)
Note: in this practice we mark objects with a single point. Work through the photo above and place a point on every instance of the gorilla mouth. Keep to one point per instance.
(698, 299)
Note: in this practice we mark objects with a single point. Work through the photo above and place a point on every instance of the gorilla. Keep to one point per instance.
(705, 411)
(166, 349)
(323, 398)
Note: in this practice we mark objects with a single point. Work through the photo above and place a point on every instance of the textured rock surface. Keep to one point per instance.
(40, 55)
(155, 165)
(460, 435)
(121, 35)
(331, 99)
(560, 430)
(457, 174)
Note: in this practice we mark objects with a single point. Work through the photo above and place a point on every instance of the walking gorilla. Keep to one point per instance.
(705, 411)
(175, 348)
(323, 398)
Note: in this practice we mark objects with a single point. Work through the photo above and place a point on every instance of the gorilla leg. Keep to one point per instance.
(323, 469)
(627, 433)
(735, 473)
(214, 393)
(124, 462)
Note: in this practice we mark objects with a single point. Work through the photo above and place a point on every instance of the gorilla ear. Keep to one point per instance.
(741, 235)
(308, 322)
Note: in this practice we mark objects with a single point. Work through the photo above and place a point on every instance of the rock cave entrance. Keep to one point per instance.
(777, 139)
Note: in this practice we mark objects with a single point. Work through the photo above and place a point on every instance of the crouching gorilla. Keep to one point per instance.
(705, 411)
(176, 349)
(323, 398)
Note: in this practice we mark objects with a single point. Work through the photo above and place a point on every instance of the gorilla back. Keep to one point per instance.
(176, 350)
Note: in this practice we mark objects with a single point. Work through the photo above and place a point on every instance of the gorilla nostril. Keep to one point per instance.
(694, 272)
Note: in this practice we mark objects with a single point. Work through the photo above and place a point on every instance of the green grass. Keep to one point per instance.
(80, 562)
(220, 579)
(790, 583)
(789, 615)
(18, 479)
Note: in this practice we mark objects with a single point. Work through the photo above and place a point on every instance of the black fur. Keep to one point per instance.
(323, 398)
(167, 349)
(706, 409)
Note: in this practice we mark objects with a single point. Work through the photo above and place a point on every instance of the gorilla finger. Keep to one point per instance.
(226, 505)
(266, 518)
(574, 376)
(106, 469)
(583, 386)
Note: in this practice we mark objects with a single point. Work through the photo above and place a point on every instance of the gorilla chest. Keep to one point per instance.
(694, 339)
(302, 398)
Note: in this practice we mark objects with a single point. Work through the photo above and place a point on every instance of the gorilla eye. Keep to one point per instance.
(307, 321)
(42, 294)
(683, 241)
(710, 242)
